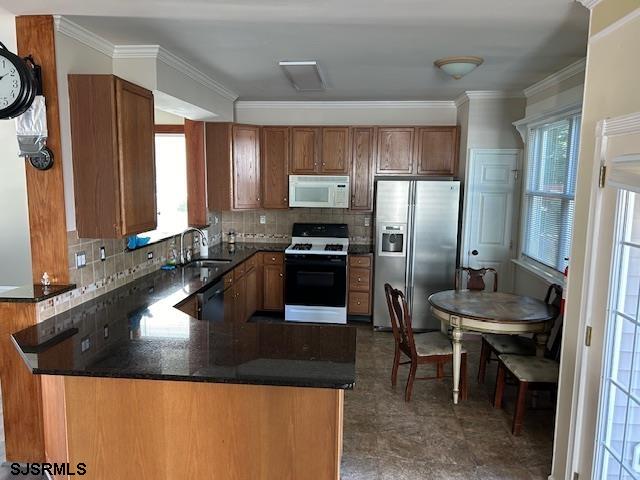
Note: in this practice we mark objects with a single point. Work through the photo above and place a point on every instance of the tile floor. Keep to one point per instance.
(430, 438)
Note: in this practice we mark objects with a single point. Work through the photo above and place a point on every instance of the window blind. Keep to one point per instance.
(550, 191)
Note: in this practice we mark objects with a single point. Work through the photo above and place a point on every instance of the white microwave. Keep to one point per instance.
(319, 191)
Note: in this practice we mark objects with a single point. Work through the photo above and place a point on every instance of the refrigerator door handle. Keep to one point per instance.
(409, 262)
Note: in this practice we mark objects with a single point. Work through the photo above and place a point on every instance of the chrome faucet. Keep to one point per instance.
(203, 239)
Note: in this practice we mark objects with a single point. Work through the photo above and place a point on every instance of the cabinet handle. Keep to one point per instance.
(359, 303)
(359, 279)
(281, 275)
(285, 199)
(273, 259)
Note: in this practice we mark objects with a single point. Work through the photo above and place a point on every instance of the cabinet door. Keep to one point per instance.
(335, 150)
(273, 287)
(251, 293)
(190, 306)
(304, 150)
(194, 137)
(134, 116)
(239, 303)
(436, 150)
(246, 167)
(275, 164)
(363, 146)
(395, 150)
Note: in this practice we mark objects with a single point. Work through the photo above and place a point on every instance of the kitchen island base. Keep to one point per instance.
(156, 430)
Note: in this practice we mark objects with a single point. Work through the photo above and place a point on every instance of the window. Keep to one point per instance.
(171, 186)
(550, 191)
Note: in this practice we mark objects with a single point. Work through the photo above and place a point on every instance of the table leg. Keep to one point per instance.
(456, 337)
(541, 343)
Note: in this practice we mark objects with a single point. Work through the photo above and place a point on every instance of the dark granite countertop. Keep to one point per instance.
(32, 293)
(135, 332)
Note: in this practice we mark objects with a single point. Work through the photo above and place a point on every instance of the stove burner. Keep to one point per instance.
(334, 247)
(302, 246)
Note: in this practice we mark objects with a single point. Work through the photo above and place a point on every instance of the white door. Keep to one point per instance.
(491, 206)
(606, 412)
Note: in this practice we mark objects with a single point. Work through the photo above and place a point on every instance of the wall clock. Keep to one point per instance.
(18, 86)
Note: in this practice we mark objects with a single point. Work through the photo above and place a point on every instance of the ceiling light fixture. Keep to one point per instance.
(304, 75)
(458, 67)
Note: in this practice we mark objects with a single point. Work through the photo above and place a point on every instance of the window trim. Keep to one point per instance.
(525, 128)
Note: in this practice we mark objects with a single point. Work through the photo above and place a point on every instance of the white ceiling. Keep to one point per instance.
(367, 49)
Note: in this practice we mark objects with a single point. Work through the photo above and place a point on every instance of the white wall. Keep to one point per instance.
(73, 57)
(346, 113)
(15, 248)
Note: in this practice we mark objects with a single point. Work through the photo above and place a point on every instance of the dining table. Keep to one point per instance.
(489, 312)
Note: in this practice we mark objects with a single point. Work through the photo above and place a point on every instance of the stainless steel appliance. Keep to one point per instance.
(319, 191)
(316, 273)
(211, 302)
(416, 244)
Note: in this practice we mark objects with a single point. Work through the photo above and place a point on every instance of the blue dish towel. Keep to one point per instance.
(134, 241)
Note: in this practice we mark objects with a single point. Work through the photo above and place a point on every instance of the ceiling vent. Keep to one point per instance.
(304, 75)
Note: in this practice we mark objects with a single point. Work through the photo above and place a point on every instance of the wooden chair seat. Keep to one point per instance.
(510, 344)
(433, 343)
(531, 369)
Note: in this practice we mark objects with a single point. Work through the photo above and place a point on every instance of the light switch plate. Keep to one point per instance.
(367, 221)
(103, 254)
(149, 255)
(263, 219)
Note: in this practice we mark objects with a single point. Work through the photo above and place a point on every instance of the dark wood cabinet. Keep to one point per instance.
(436, 150)
(251, 289)
(190, 306)
(335, 152)
(240, 300)
(112, 136)
(233, 166)
(275, 162)
(273, 281)
(395, 150)
(305, 150)
(362, 156)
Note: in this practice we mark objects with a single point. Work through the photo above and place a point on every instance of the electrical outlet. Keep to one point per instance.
(263, 219)
(215, 220)
(85, 344)
(149, 255)
(106, 331)
(367, 221)
(81, 259)
(103, 254)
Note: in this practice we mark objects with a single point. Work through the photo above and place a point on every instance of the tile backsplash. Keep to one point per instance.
(278, 223)
(120, 266)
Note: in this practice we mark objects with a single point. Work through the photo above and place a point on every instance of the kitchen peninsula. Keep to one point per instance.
(135, 388)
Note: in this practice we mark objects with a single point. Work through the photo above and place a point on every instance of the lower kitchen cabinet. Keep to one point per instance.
(273, 282)
(360, 284)
(251, 293)
(190, 306)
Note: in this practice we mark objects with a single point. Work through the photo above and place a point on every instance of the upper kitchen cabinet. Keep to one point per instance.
(362, 157)
(112, 138)
(196, 173)
(395, 150)
(436, 150)
(275, 161)
(335, 151)
(233, 166)
(305, 150)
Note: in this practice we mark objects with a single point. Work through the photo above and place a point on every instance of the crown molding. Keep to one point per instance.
(165, 56)
(524, 125)
(90, 39)
(82, 35)
(590, 4)
(486, 95)
(555, 78)
(406, 104)
(623, 125)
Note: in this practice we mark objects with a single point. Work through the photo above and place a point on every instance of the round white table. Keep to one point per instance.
(489, 312)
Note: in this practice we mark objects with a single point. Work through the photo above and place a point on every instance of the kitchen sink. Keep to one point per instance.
(208, 263)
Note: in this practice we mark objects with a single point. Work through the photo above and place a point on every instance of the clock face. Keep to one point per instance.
(10, 83)
(17, 85)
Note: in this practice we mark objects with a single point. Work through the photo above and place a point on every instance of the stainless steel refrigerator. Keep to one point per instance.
(416, 244)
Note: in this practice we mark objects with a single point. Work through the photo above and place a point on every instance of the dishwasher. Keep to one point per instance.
(211, 302)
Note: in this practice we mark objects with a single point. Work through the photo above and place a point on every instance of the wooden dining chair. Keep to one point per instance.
(432, 347)
(475, 278)
(494, 345)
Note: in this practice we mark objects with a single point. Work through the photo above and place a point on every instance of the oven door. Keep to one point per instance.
(316, 280)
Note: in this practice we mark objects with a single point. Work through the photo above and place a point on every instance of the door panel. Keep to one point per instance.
(273, 287)
(363, 147)
(491, 207)
(335, 150)
(304, 150)
(435, 246)
(395, 150)
(246, 167)
(275, 158)
(436, 151)
(137, 158)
